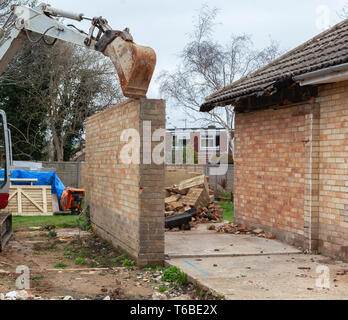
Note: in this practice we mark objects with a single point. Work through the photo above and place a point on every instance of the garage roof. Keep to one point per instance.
(328, 49)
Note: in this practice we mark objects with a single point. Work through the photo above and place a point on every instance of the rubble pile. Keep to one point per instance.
(243, 230)
(19, 295)
(193, 196)
(212, 213)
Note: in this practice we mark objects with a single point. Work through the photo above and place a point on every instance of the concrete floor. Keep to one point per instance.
(248, 267)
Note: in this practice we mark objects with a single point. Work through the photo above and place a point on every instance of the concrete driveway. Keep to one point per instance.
(249, 267)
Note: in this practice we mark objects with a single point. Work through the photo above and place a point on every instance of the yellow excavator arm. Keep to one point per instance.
(135, 64)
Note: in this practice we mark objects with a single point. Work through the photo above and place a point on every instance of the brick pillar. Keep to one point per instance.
(127, 200)
(311, 192)
(152, 183)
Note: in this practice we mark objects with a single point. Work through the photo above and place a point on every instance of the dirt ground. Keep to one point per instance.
(50, 256)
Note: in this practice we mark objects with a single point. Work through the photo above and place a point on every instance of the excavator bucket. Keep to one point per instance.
(135, 65)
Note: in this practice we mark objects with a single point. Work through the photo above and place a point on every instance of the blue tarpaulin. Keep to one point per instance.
(47, 178)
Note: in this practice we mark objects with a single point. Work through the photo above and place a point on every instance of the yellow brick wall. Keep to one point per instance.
(333, 197)
(126, 201)
(269, 171)
(291, 171)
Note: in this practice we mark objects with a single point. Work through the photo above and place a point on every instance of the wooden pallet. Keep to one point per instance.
(30, 201)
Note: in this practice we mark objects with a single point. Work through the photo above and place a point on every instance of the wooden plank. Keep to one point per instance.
(12, 195)
(33, 202)
(30, 200)
(173, 198)
(77, 269)
(197, 197)
(194, 182)
(44, 200)
(19, 201)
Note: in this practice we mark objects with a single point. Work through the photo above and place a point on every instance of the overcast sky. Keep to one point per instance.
(164, 25)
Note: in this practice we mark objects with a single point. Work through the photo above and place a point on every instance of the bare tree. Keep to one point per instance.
(207, 66)
(344, 13)
(79, 84)
(63, 84)
(66, 84)
(5, 7)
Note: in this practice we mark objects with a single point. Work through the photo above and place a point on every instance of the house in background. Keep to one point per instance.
(291, 144)
(206, 143)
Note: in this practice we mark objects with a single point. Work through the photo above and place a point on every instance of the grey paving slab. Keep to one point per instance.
(247, 267)
(203, 243)
(267, 277)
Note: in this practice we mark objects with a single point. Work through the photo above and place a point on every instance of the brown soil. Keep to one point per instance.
(72, 249)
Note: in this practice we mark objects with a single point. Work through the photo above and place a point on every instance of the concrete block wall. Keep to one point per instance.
(68, 172)
(173, 173)
(126, 200)
(217, 181)
(199, 168)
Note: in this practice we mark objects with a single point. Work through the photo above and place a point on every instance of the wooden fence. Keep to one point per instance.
(30, 201)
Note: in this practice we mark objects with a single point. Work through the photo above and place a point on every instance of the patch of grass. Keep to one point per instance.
(80, 261)
(121, 257)
(52, 234)
(225, 194)
(95, 252)
(45, 246)
(41, 221)
(103, 262)
(60, 265)
(115, 260)
(162, 289)
(153, 269)
(174, 275)
(84, 220)
(127, 263)
(228, 210)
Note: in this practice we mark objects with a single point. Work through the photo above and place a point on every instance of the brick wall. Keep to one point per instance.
(126, 200)
(333, 200)
(270, 160)
(291, 171)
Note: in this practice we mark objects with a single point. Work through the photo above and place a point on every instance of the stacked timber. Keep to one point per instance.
(194, 193)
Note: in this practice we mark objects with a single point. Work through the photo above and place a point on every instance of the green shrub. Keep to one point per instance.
(174, 275)
(80, 261)
(162, 289)
(52, 234)
(84, 220)
(127, 263)
(60, 265)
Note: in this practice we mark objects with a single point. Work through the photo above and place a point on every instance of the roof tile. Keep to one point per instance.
(327, 49)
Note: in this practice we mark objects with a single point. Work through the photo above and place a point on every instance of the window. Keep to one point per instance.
(180, 141)
(210, 141)
(217, 139)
